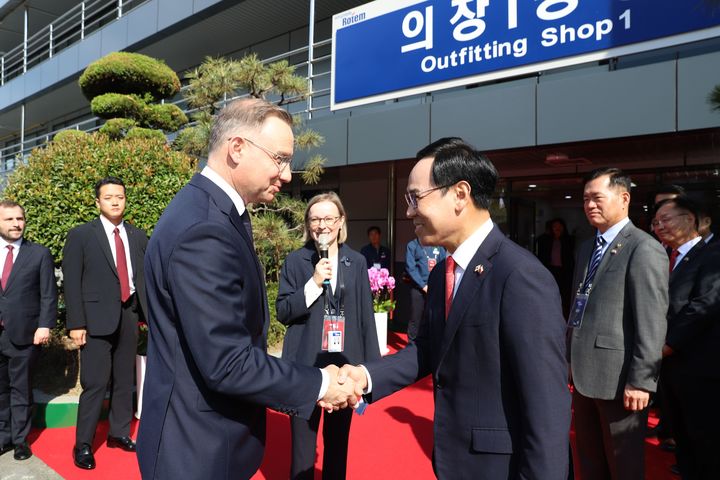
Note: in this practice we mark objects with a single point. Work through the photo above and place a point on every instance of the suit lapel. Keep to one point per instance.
(468, 291)
(227, 207)
(616, 247)
(686, 260)
(23, 255)
(104, 243)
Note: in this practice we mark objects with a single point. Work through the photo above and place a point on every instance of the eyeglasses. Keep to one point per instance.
(664, 221)
(412, 197)
(329, 221)
(281, 161)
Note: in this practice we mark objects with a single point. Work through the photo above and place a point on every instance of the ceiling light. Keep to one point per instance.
(532, 185)
(568, 197)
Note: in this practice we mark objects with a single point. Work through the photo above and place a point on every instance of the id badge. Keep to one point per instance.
(431, 264)
(578, 310)
(333, 340)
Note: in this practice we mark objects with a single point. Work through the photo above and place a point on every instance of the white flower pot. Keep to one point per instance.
(140, 364)
(381, 324)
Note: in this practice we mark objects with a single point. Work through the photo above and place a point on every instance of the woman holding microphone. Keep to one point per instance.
(324, 299)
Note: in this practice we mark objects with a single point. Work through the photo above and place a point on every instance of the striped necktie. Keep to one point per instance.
(594, 262)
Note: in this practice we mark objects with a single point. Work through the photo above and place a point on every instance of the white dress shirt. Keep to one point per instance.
(109, 232)
(612, 232)
(684, 249)
(4, 251)
(467, 249)
(462, 256)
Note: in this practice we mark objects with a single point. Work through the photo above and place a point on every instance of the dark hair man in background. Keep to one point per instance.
(377, 255)
(691, 363)
(617, 329)
(105, 295)
(28, 310)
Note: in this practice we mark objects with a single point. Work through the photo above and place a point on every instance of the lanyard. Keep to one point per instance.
(328, 299)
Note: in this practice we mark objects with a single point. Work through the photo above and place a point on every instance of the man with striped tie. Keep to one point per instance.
(617, 330)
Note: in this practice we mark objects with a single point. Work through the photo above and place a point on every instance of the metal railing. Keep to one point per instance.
(66, 30)
(14, 153)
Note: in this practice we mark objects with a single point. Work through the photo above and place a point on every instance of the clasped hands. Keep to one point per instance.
(347, 385)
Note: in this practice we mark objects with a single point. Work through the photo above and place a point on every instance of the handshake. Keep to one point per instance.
(347, 385)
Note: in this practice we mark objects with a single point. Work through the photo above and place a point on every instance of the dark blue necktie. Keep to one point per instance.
(245, 217)
(594, 262)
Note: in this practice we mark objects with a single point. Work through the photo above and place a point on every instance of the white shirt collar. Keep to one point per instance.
(109, 227)
(16, 244)
(214, 177)
(467, 249)
(687, 246)
(613, 231)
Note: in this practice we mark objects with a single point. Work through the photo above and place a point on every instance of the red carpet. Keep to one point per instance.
(392, 440)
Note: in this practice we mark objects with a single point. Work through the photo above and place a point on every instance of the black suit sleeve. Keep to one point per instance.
(48, 290)
(72, 267)
(703, 307)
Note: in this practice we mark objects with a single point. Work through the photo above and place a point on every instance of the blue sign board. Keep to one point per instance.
(393, 48)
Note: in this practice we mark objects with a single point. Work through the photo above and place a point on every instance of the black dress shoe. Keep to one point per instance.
(22, 451)
(83, 457)
(125, 443)
(6, 448)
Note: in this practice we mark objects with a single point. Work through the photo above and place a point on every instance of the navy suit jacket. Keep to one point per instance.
(305, 325)
(694, 313)
(29, 300)
(502, 404)
(208, 376)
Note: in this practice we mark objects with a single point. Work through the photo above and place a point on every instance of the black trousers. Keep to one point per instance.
(688, 404)
(609, 440)
(16, 364)
(336, 430)
(101, 359)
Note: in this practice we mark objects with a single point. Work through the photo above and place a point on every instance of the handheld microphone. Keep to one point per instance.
(323, 241)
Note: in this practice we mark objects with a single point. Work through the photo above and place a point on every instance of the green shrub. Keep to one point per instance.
(56, 186)
(70, 134)
(117, 128)
(276, 332)
(146, 133)
(124, 72)
(165, 116)
(116, 105)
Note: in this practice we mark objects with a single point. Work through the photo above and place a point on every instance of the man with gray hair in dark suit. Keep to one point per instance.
(617, 330)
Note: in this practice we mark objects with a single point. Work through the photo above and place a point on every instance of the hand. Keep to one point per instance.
(323, 271)
(79, 336)
(338, 395)
(635, 399)
(42, 335)
(356, 374)
(667, 350)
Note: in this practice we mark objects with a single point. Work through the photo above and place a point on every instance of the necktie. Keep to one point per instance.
(673, 258)
(449, 284)
(594, 262)
(245, 217)
(7, 268)
(122, 268)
